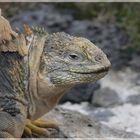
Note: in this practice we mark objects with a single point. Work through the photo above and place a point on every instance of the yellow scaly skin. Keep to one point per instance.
(32, 80)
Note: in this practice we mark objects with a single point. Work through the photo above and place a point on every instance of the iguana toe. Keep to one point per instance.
(46, 123)
(38, 128)
(27, 132)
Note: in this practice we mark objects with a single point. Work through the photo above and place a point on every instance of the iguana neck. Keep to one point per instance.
(48, 96)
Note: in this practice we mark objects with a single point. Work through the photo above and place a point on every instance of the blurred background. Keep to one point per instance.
(115, 28)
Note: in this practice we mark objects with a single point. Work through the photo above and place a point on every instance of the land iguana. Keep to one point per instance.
(36, 69)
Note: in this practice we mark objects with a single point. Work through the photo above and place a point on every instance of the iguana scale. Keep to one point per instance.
(36, 69)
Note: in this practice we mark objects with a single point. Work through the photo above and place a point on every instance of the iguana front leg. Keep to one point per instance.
(39, 127)
(11, 127)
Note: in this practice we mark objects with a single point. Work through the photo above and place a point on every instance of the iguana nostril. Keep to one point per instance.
(98, 58)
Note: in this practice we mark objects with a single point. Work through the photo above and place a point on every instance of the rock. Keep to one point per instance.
(124, 117)
(44, 15)
(76, 125)
(102, 114)
(80, 93)
(134, 99)
(135, 62)
(106, 97)
(137, 80)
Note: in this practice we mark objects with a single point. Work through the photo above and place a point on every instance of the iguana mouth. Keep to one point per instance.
(105, 69)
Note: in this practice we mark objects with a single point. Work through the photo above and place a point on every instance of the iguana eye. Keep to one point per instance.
(73, 57)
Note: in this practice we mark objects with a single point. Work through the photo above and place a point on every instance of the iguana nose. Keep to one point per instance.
(103, 60)
(98, 57)
(107, 63)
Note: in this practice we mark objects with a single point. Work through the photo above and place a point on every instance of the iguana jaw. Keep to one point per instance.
(97, 71)
(73, 78)
(75, 75)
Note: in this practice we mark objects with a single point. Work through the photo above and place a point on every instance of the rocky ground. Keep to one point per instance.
(116, 103)
(114, 100)
(82, 126)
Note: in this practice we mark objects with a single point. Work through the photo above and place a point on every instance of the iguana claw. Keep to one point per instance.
(38, 128)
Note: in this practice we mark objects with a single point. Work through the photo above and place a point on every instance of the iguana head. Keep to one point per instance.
(56, 63)
(68, 60)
